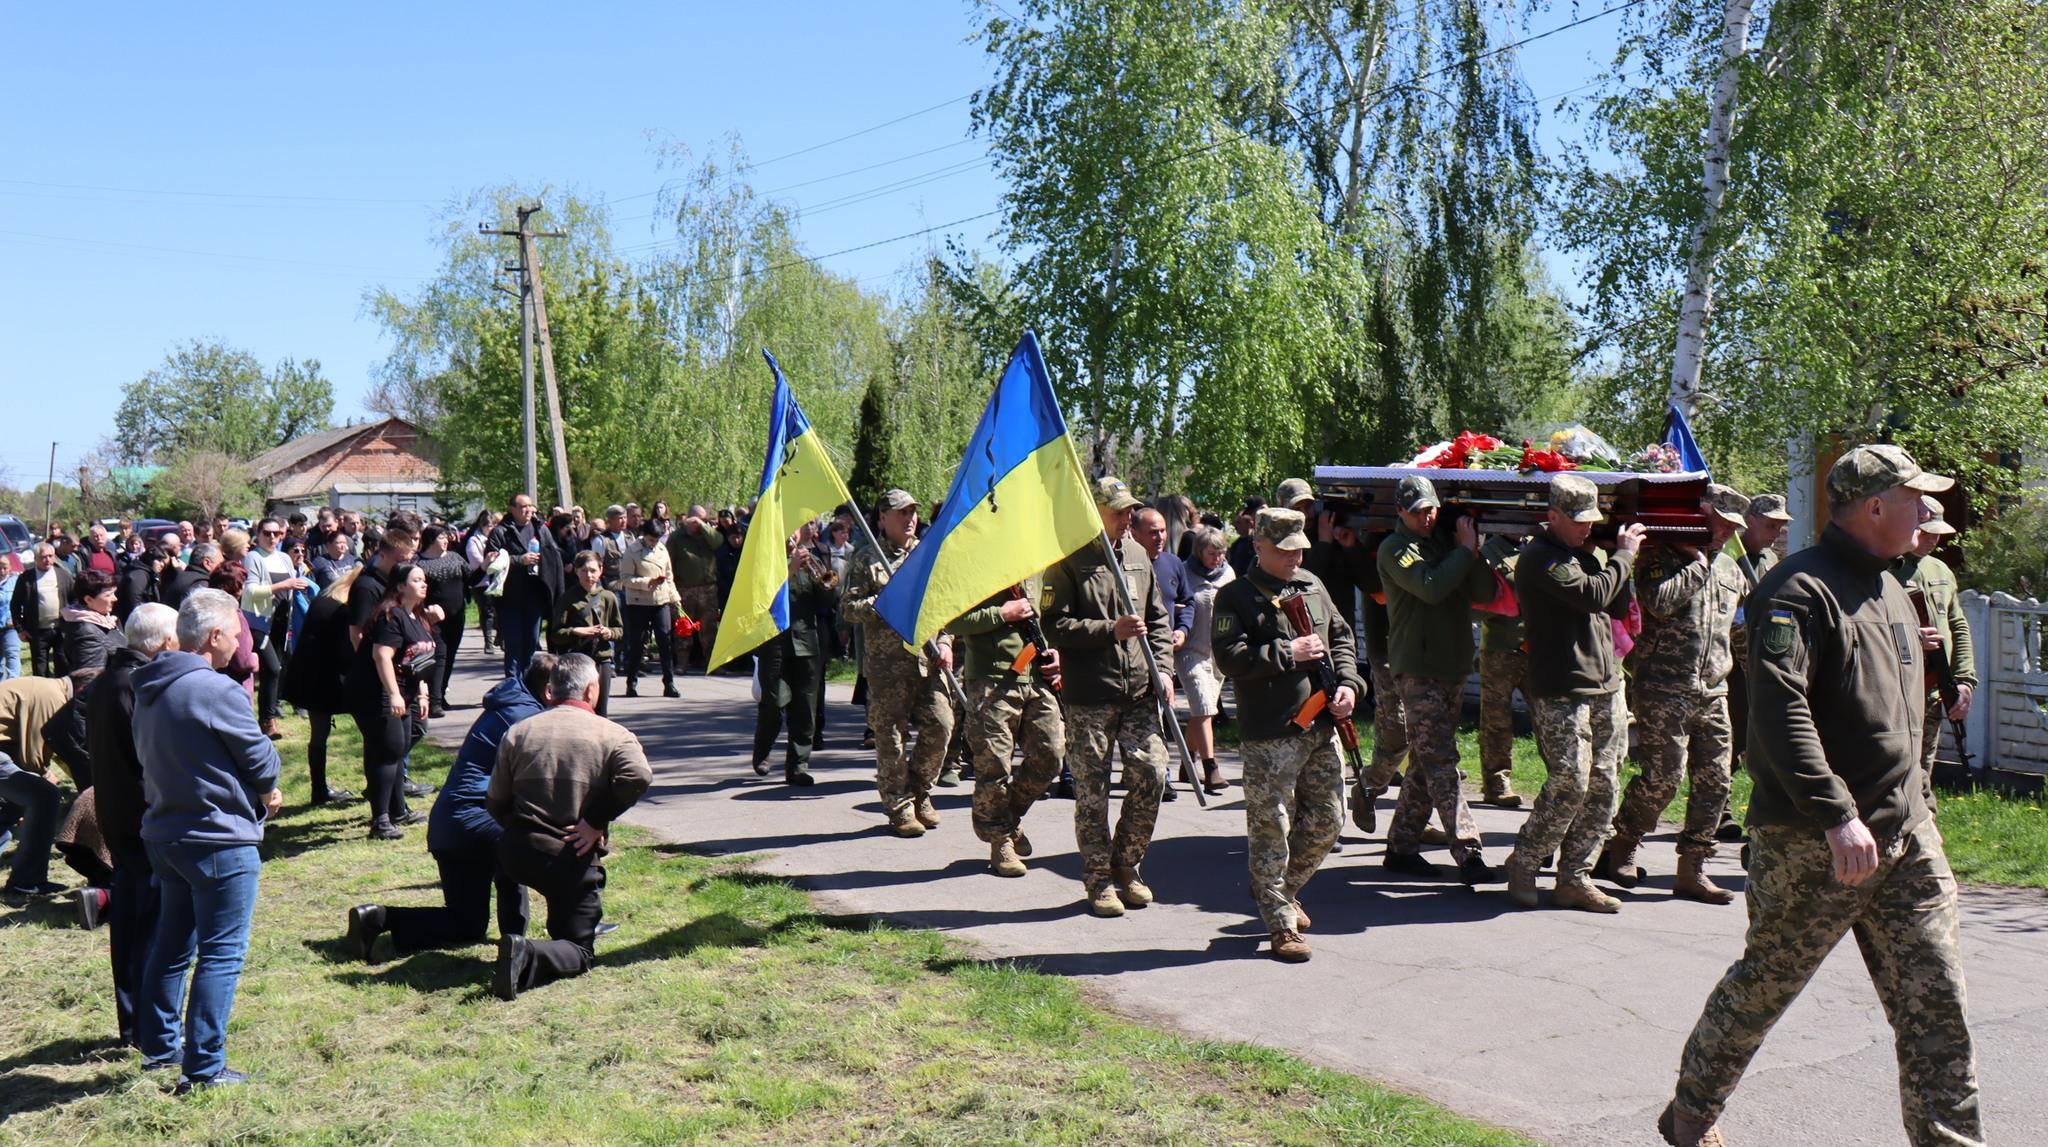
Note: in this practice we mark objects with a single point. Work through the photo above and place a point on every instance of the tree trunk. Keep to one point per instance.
(1698, 301)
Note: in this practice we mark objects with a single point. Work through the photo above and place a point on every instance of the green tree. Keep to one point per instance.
(198, 484)
(210, 396)
(874, 444)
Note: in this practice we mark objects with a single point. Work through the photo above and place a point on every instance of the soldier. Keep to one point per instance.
(1502, 666)
(791, 668)
(1841, 834)
(906, 689)
(1938, 582)
(1763, 524)
(1568, 603)
(1293, 775)
(1430, 589)
(1110, 695)
(1006, 707)
(1680, 699)
(693, 552)
(1389, 731)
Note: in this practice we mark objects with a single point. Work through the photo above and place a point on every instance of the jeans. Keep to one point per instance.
(10, 653)
(39, 802)
(467, 877)
(518, 634)
(209, 897)
(133, 902)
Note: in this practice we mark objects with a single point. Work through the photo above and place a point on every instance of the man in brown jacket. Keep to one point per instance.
(562, 777)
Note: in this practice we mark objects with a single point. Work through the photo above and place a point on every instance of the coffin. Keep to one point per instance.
(1514, 503)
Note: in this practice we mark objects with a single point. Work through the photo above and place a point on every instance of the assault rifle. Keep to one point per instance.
(1035, 646)
(1294, 606)
(1941, 676)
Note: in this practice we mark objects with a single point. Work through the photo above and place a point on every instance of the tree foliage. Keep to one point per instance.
(198, 484)
(212, 397)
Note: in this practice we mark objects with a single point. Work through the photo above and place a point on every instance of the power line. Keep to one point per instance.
(214, 194)
(864, 131)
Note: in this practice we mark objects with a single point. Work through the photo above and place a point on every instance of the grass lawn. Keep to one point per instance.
(724, 1010)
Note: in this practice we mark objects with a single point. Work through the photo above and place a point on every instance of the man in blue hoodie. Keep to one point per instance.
(209, 782)
(463, 837)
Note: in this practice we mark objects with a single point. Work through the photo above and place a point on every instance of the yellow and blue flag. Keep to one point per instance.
(1019, 502)
(798, 483)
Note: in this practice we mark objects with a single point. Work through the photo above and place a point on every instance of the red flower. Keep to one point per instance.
(1546, 460)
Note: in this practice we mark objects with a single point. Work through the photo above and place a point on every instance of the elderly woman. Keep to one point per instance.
(88, 625)
(209, 783)
(1208, 571)
(651, 600)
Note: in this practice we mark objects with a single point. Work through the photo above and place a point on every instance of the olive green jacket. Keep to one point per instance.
(1499, 634)
(986, 646)
(1250, 636)
(1431, 584)
(1080, 621)
(1944, 610)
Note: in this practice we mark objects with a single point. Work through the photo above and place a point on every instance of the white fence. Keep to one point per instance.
(2008, 722)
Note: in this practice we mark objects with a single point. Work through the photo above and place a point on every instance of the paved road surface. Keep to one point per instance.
(1560, 1024)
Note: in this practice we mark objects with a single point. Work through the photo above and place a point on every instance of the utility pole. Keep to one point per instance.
(50, 494)
(528, 270)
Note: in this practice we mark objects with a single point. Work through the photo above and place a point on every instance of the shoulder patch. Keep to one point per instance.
(1226, 621)
(1779, 632)
(1562, 571)
(1409, 558)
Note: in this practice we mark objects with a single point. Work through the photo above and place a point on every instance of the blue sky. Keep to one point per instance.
(246, 171)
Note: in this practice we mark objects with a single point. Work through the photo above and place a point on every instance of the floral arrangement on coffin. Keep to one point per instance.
(1570, 448)
(1657, 458)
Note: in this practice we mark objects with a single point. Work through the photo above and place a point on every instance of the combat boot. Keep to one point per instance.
(1500, 793)
(1681, 1129)
(1617, 864)
(1581, 894)
(1693, 883)
(1103, 902)
(1290, 948)
(949, 777)
(1434, 837)
(1021, 842)
(1300, 917)
(1521, 881)
(1131, 890)
(1003, 859)
(927, 814)
(903, 821)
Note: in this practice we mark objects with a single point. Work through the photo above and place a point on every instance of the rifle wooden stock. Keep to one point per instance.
(1941, 675)
(1295, 610)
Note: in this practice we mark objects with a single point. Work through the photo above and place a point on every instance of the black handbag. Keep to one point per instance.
(420, 664)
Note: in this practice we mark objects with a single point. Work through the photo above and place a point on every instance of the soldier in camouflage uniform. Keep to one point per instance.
(1008, 707)
(1293, 773)
(1680, 697)
(1430, 585)
(1569, 600)
(1933, 577)
(1841, 835)
(1763, 524)
(1111, 695)
(1389, 731)
(1502, 667)
(906, 690)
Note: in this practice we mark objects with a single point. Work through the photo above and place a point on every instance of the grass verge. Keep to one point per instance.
(724, 1010)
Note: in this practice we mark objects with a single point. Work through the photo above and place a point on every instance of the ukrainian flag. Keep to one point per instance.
(798, 483)
(1019, 502)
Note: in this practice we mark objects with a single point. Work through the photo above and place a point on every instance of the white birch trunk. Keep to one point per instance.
(1698, 301)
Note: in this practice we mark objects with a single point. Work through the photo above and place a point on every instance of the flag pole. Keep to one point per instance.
(1166, 713)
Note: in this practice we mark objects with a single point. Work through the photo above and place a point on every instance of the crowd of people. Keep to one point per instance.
(138, 648)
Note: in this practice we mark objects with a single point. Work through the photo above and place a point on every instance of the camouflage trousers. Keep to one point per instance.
(1904, 920)
(1293, 810)
(1679, 734)
(1389, 730)
(1001, 716)
(1094, 733)
(1429, 708)
(901, 703)
(1500, 673)
(1930, 731)
(1583, 740)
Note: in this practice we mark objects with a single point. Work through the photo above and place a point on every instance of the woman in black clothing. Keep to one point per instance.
(447, 578)
(388, 696)
(316, 677)
(88, 626)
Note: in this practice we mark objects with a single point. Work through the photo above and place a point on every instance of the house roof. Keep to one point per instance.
(280, 458)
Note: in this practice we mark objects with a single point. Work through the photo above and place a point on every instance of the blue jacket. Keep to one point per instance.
(1176, 590)
(458, 820)
(205, 764)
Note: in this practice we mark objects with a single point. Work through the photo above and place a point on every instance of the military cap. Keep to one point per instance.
(894, 500)
(1291, 491)
(1770, 506)
(1416, 493)
(1576, 497)
(1935, 522)
(1287, 529)
(1725, 502)
(1112, 494)
(1868, 471)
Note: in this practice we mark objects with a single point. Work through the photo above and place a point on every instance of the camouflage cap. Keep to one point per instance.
(1416, 493)
(1871, 470)
(894, 500)
(1770, 506)
(1933, 520)
(1727, 503)
(1287, 529)
(1576, 497)
(1112, 494)
(1291, 491)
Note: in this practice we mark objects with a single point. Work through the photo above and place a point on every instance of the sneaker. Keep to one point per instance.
(21, 893)
(926, 812)
(365, 924)
(1290, 948)
(1409, 864)
(92, 907)
(227, 1077)
(1003, 859)
(1104, 902)
(511, 967)
(949, 777)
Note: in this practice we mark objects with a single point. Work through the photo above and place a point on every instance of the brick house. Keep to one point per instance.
(375, 467)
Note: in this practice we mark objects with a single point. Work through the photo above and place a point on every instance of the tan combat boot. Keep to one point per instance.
(1581, 894)
(1290, 948)
(1003, 859)
(1433, 837)
(1133, 891)
(1617, 863)
(1021, 842)
(1103, 902)
(1682, 1129)
(1693, 883)
(1500, 792)
(903, 821)
(1300, 917)
(927, 813)
(1521, 881)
